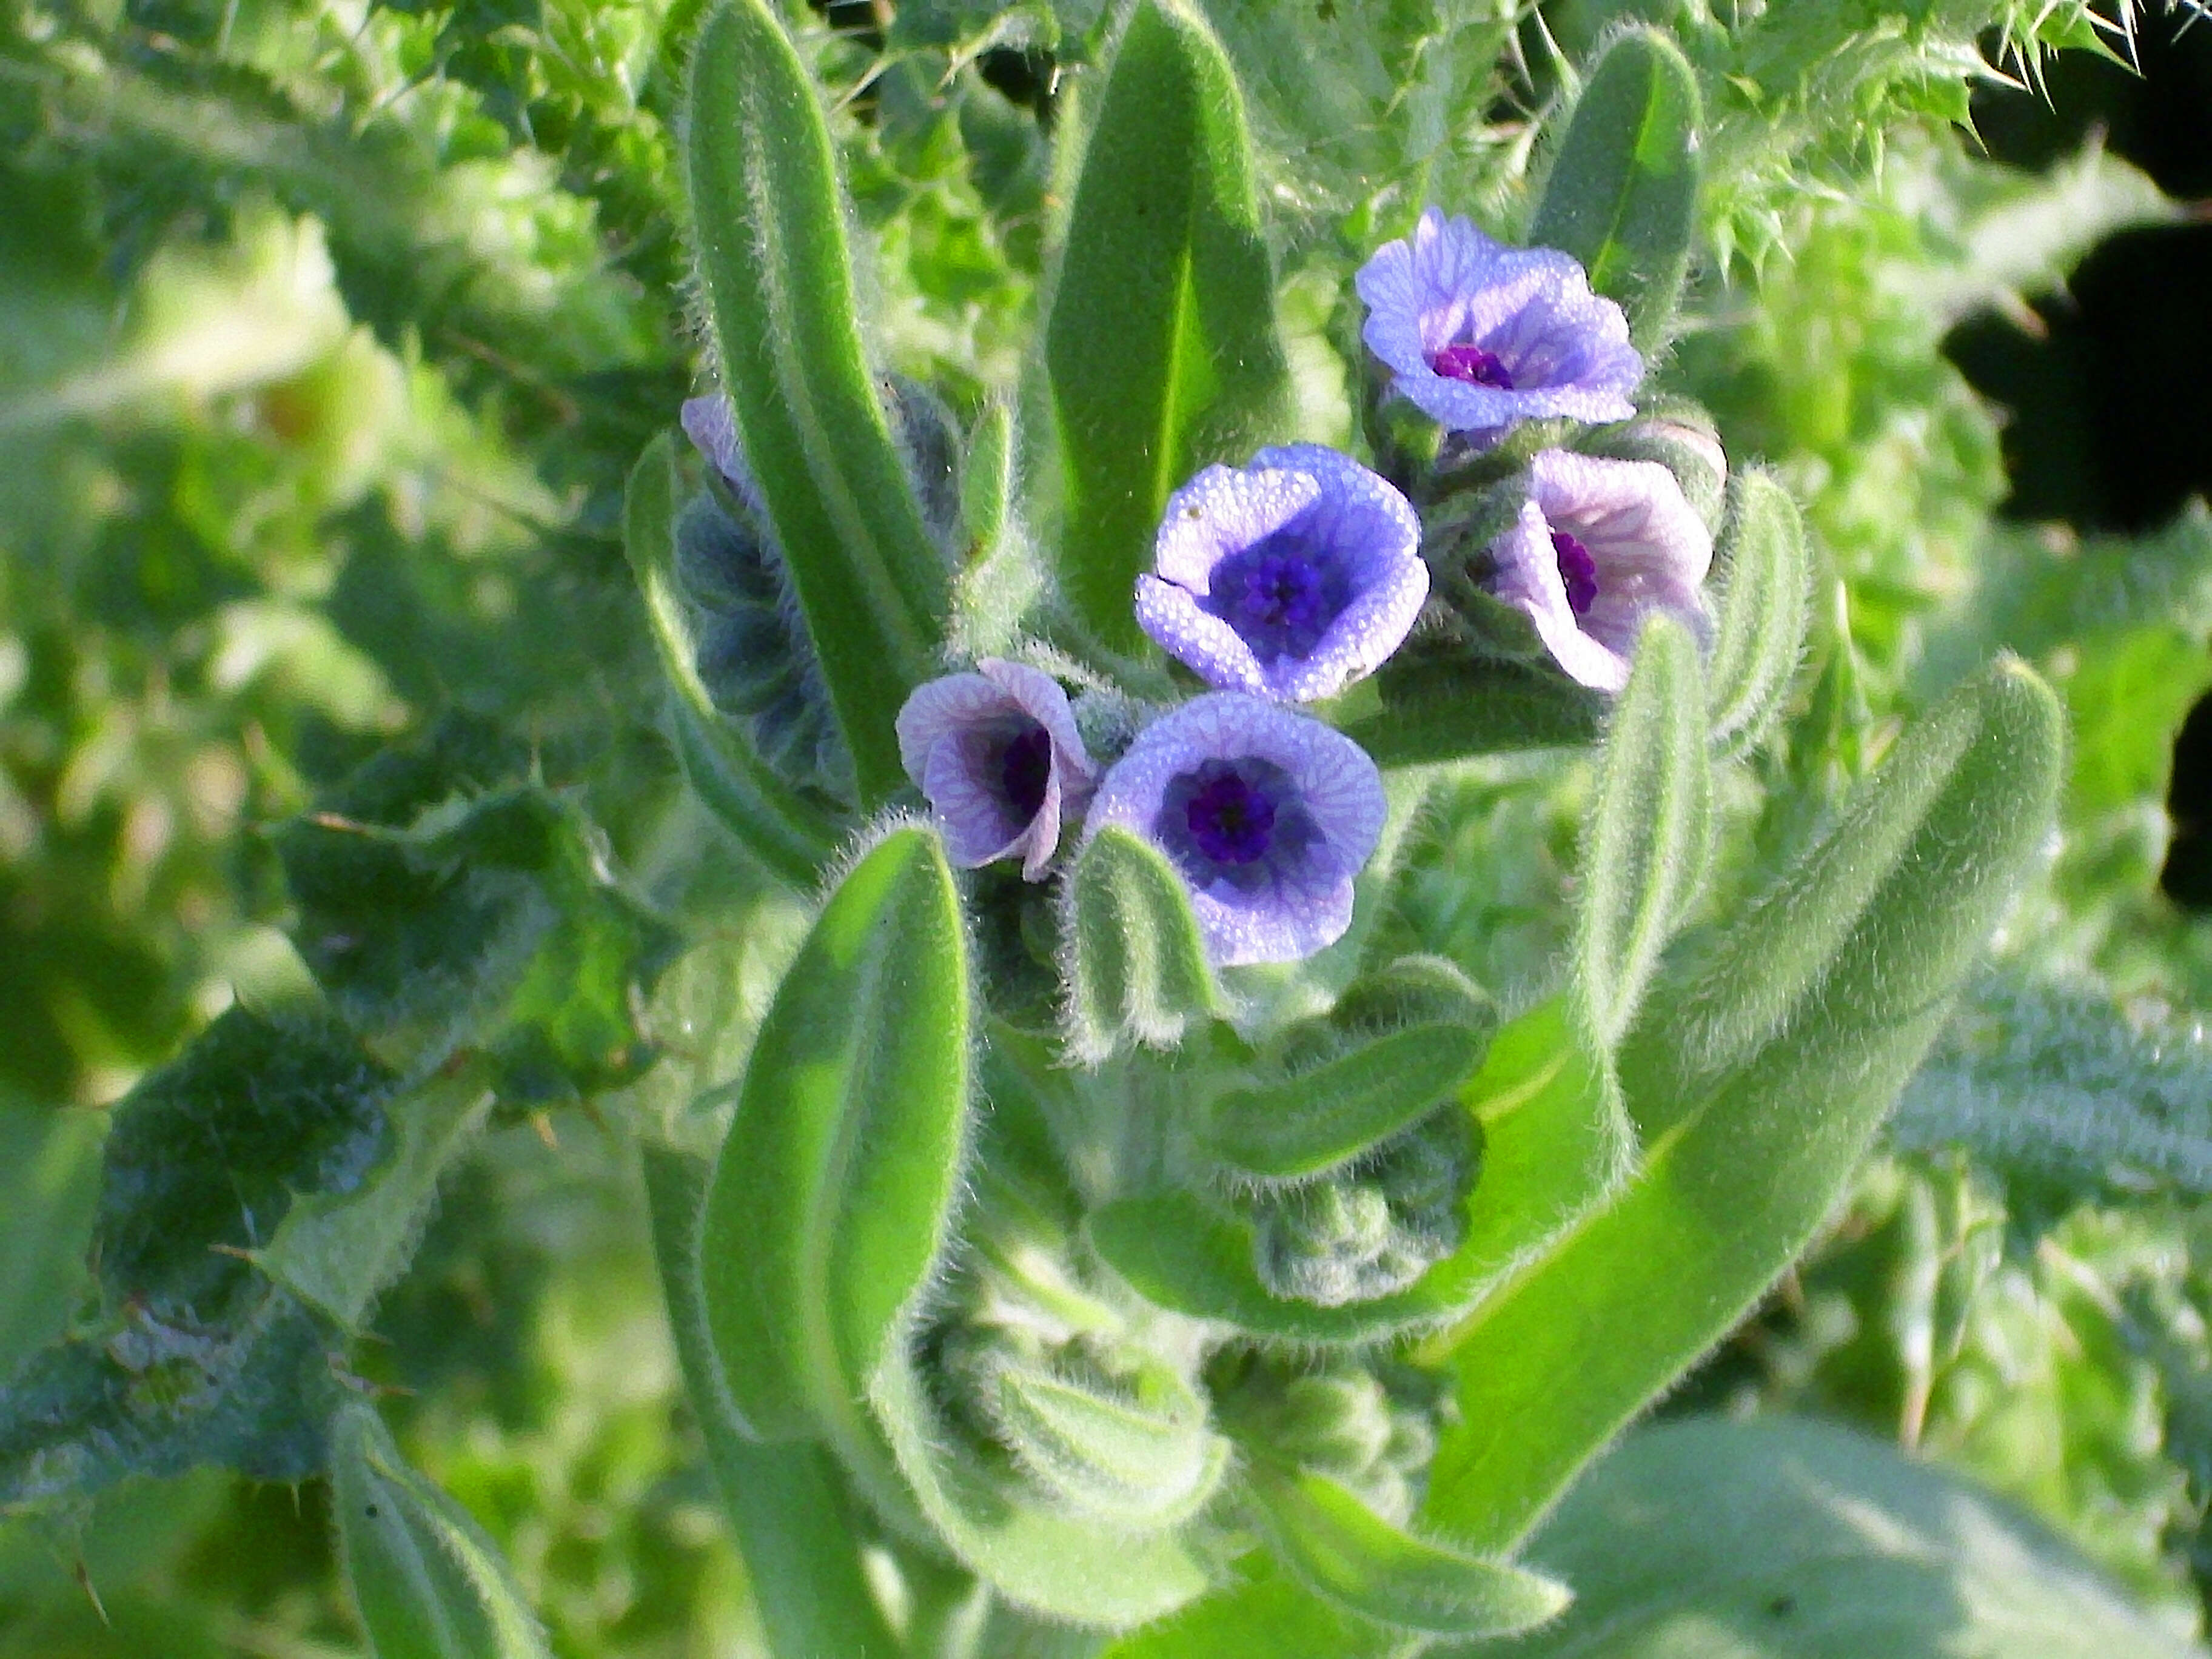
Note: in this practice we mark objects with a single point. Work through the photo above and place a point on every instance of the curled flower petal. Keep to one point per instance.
(1267, 814)
(1600, 544)
(1287, 578)
(1481, 335)
(998, 755)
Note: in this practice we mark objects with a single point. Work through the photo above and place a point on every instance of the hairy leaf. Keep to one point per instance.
(834, 1187)
(794, 1522)
(1551, 1136)
(427, 1582)
(1136, 967)
(1445, 706)
(1378, 1068)
(778, 281)
(1344, 1552)
(1764, 611)
(1757, 1080)
(1645, 846)
(1623, 193)
(1161, 348)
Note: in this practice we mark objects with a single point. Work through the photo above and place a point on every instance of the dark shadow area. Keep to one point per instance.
(2109, 396)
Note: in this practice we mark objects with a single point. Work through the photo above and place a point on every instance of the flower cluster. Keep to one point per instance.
(1285, 581)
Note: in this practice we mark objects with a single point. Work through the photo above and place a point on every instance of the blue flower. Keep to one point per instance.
(1481, 334)
(997, 755)
(1268, 815)
(1600, 544)
(1287, 578)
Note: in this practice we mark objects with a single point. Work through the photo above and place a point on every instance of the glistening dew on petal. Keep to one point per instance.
(1481, 335)
(1600, 544)
(1267, 814)
(1288, 579)
(999, 756)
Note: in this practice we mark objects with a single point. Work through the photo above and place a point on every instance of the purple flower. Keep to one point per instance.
(1268, 815)
(1600, 545)
(1481, 334)
(1289, 578)
(997, 754)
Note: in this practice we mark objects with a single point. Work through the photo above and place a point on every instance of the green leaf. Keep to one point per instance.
(1381, 1070)
(427, 1582)
(1267, 1611)
(778, 281)
(794, 1523)
(1765, 609)
(48, 1184)
(201, 1356)
(1344, 1552)
(1445, 707)
(1622, 197)
(1553, 1139)
(1162, 349)
(1645, 846)
(1146, 1464)
(1786, 1539)
(1757, 1078)
(833, 1190)
(792, 835)
(446, 898)
(338, 1251)
(1001, 583)
(1136, 966)
(2050, 1086)
(1043, 1558)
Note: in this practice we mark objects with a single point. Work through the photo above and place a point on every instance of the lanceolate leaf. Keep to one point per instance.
(1136, 966)
(834, 1187)
(1161, 348)
(1372, 1083)
(1344, 1552)
(1765, 609)
(790, 836)
(1757, 1079)
(1645, 849)
(1438, 709)
(792, 1518)
(428, 1583)
(1553, 1140)
(1817, 1543)
(1623, 194)
(778, 281)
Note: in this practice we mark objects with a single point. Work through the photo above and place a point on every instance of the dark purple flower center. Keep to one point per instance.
(1009, 758)
(1473, 365)
(1282, 593)
(1577, 569)
(1235, 821)
(1024, 769)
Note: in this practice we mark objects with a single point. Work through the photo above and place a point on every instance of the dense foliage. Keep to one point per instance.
(438, 800)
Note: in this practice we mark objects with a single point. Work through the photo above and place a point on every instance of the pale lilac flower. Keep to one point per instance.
(1481, 334)
(1267, 814)
(712, 427)
(1289, 578)
(997, 755)
(1600, 544)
